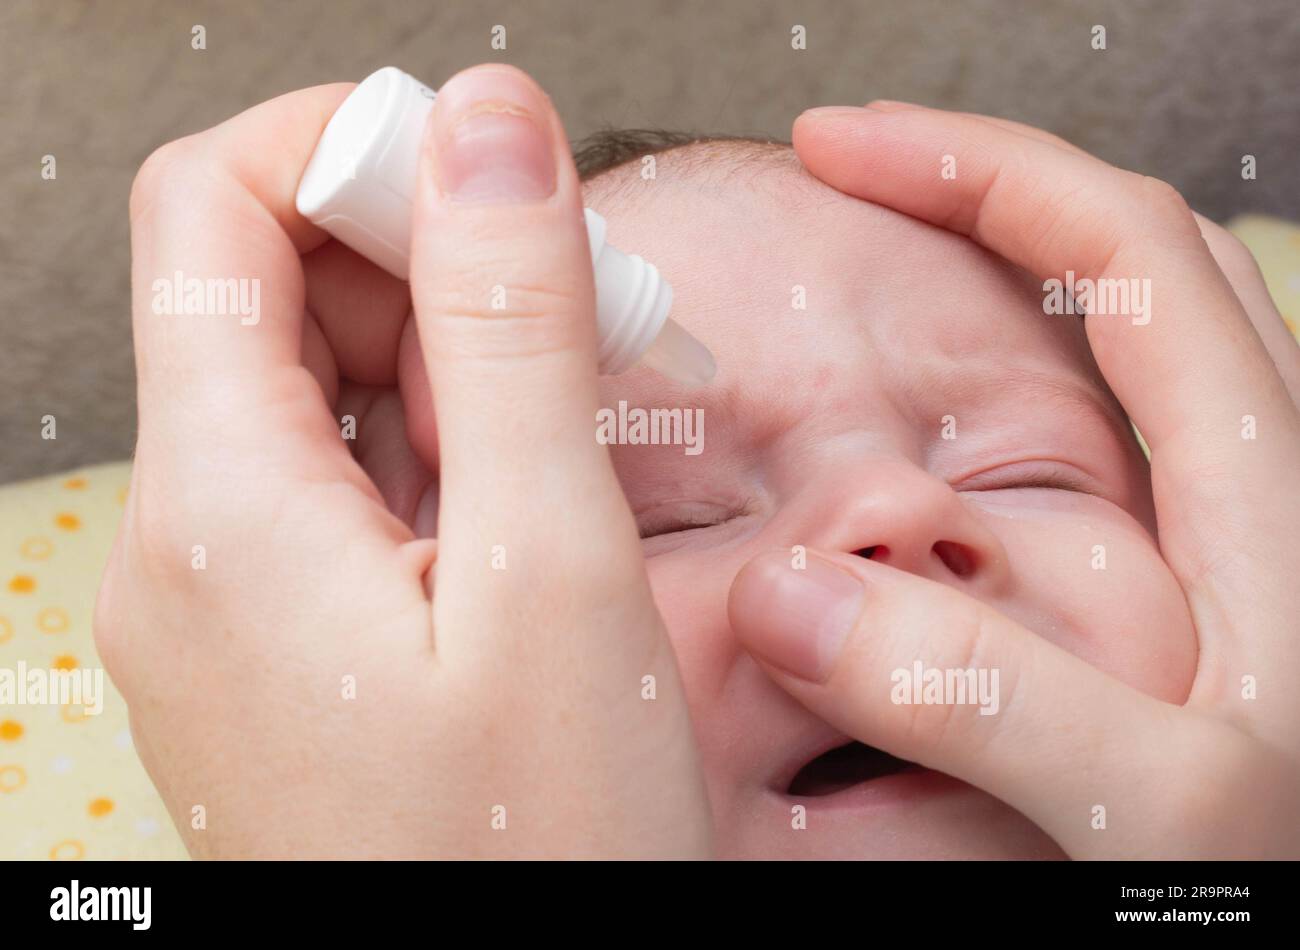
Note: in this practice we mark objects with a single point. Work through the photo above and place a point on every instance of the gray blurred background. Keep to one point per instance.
(1184, 89)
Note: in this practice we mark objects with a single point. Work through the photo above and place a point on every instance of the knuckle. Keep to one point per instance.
(1165, 204)
(493, 299)
(1059, 224)
(122, 602)
(491, 319)
(105, 623)
(928, 727)
(1231, 253)
(965, 642)
(161, 174)
(162, 526)
(158, 549)
(498, 275)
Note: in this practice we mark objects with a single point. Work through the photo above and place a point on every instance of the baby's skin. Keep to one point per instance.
(922, 408)
(886, 389)
(445, 638)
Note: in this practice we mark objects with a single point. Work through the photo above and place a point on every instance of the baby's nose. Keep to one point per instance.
(898, 514)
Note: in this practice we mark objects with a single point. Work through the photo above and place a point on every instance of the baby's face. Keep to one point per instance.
(914, 404)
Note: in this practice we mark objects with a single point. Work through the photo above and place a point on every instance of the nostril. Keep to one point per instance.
(955, 557)
(876, 552)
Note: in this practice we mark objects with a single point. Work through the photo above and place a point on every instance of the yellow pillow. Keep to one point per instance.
(71, 786)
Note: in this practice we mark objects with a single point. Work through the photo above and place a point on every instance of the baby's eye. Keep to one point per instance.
(1028, 475)
(678, 518)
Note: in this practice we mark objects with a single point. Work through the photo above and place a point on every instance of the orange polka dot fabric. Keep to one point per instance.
(1275, 245)
(71, 786)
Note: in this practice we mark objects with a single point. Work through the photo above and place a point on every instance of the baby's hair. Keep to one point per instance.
(607, 149)
(611, 161)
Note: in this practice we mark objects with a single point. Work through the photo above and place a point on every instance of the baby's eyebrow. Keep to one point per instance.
(927, 389)
(726, 405)
(1077, 391)
(1072, 390)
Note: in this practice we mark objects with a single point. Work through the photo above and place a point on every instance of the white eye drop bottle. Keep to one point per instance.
(359, 186)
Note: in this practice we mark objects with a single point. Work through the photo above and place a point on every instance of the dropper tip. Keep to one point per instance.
(700, 371)
(680, 356)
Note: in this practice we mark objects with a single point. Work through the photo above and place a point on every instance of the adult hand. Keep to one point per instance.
(296, 687)
(1216, 777)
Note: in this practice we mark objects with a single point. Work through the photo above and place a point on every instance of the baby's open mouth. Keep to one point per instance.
(843, 767)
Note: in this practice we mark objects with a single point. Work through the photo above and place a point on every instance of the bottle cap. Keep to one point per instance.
(360, 186)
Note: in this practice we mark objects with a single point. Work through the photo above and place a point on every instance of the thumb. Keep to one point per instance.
(1008, 711)
(501, 281)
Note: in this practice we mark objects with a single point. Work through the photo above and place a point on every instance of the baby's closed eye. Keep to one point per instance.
(680, 516)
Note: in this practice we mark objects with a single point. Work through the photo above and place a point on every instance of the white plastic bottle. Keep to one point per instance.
(360, 184)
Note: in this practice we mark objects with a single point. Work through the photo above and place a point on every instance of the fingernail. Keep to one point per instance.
(796, 618)
(831, 111)
(494, 144)
(892, 105)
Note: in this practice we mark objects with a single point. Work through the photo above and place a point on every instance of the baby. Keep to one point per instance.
(888, 389)
(356, 670)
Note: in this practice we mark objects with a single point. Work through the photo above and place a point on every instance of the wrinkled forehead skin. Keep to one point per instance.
(805, 294)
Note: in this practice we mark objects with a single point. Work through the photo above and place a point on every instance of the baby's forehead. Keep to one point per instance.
(784, 276)
(744, 217)
(727, 183)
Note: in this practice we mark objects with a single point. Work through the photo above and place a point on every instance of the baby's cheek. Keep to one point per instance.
(690, 591)
(1092, 581)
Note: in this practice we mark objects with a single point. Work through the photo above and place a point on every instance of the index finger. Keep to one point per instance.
(217, 283)
(1229, 253)
(1192, 372)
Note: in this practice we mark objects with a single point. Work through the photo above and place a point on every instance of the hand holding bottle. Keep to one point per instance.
(330, 684)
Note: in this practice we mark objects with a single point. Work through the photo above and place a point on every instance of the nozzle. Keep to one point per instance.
(680, 356)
